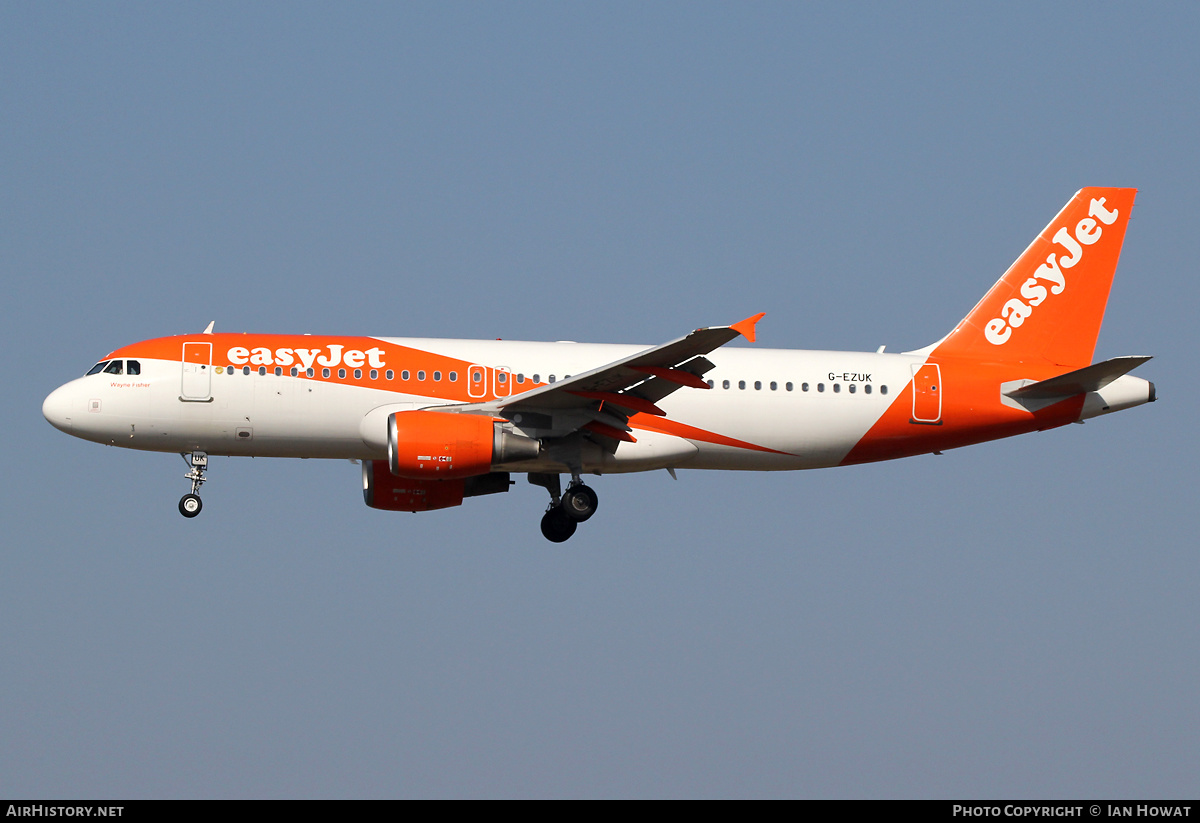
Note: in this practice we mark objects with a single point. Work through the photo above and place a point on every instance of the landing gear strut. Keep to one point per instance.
(191, 504)
(566, 511)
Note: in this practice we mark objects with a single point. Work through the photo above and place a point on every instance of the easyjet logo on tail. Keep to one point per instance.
(330, 356)
(1049, 278)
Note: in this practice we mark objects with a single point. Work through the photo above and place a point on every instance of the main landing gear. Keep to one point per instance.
(566, 511)
(191, 504)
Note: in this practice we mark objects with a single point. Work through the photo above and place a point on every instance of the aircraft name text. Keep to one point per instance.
(332, 355)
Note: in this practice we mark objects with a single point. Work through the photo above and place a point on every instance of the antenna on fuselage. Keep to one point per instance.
(208, 329)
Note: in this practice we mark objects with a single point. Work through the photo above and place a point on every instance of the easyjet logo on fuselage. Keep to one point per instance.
(1034, 290)
(332, 355)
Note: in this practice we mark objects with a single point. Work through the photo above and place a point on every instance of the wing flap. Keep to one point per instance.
(680, 377)
(626, 400)
(606, 430)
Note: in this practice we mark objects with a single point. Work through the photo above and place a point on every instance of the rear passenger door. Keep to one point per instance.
(927, 394)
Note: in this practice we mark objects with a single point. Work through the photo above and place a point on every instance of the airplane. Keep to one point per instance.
(434, 422)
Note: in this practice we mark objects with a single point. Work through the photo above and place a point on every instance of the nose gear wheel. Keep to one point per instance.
(191, 504)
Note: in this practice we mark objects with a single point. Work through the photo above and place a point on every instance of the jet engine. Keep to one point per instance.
(383, 490)
(429, 445)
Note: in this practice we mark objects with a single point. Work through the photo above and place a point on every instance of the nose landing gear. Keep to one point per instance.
(191, 504)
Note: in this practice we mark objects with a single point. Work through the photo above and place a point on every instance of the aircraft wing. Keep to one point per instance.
(602, 399)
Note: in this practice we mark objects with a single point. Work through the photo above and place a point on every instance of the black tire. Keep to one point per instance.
(190, 505)
(579, 503)
(556, 526)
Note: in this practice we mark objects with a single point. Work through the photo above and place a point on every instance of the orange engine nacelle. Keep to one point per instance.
(383, 490)
(428, 445)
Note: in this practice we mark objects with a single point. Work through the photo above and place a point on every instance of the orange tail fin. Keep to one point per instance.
(1050, 303)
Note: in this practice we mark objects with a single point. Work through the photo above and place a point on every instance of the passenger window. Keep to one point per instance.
(421, 375)
(437, 377)
(374, 374)
(245, 369)
(758, 385)
(837, 387)
(724, 384)
(404, 375)
(310, 372)
(551, 378)
(501, 377)
(867, 388)
(262, 371)
(341, 374)
(883, 389)
(133, 367)
(325, 373)
(741, 384)
(96, 369)
(520, 378)
(295, 371)
(358, 374)
(852, 387)
(389, 374)
(278, 371)
(453, 377)
(710, 383)
(537, 378)
(114, 367)
(774, 385)
(820, 387)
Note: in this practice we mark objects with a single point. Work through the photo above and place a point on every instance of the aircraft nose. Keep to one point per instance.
(56, 408)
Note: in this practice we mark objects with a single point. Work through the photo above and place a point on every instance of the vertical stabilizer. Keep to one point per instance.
(1050, 303)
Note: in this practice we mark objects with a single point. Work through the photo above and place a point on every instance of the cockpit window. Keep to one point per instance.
(96, 369)
(114, 367)
(133, 367)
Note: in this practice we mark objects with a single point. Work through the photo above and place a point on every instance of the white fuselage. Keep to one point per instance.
(806, 409)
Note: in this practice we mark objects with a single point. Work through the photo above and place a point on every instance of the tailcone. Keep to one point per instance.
(1125, 392)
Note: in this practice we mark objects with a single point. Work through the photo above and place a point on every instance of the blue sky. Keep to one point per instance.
(1013, 619)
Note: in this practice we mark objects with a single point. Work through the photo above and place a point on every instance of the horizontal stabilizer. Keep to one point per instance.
(1088, 379)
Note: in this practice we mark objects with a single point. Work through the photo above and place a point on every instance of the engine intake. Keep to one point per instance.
(428, 445)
